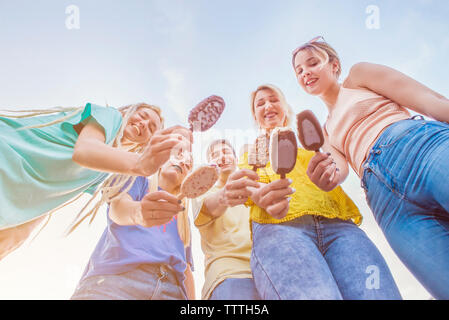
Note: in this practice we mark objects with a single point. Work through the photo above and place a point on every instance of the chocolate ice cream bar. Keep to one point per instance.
(283, 151)
(206, 113)
(310, 133)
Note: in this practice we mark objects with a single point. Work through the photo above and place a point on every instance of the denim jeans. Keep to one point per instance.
(406, 182)
(315, 258)
(147, 282)
(235, 289)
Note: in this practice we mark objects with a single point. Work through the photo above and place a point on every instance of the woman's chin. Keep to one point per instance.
(226, 169)
(171, 174)
(314, 91)
(272, 124)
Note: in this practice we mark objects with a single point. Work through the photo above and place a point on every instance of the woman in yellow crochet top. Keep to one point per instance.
(306, 243)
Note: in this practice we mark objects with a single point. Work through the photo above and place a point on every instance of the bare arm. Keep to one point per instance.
(124, 210)
(155, 209)
(189, 283)
(234, 193)
(400, 88)
(213, 204)
(91, 151)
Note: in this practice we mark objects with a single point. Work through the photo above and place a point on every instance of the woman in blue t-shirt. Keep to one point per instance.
(144, 252)
(50, 157)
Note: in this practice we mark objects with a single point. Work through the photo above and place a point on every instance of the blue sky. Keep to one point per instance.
(175, 53)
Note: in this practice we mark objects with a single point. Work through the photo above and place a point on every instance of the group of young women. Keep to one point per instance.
(306, 243)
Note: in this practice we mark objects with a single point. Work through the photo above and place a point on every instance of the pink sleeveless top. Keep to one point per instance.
(358, 118)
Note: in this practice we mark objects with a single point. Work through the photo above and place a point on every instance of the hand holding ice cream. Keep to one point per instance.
(239, 187)
(273, 197)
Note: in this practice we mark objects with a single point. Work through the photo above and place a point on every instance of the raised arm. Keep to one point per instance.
(234, 193)
(400, 88)
(91, 151)
(189, 283)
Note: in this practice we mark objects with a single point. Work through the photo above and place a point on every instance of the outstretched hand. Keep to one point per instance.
(157, 208)
(163, 144)
(323, 171)
(237, 188)
(273, 198)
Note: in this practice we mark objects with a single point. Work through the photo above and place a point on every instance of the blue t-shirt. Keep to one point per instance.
(123, 248)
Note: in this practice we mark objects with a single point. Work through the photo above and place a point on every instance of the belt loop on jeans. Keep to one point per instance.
(366, 169)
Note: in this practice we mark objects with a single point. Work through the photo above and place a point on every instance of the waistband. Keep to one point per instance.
(398, 129)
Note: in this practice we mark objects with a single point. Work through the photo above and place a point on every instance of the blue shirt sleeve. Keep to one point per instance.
(139, 188)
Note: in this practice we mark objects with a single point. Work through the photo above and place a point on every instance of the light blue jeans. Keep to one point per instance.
(147, 282)
(406, 181)
(315, 258)
(235, 289)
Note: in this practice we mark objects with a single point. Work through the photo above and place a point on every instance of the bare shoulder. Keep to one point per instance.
(357, 74)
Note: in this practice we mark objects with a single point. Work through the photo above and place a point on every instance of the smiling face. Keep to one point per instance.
(141, 126)
(223, 156)
(268, 109)
(314, 76)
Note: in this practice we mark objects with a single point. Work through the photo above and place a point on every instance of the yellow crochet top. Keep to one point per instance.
(308, 198)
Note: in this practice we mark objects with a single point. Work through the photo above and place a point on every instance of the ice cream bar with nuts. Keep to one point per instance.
(199, 181)
(206, 113)
(283, 151)
(310, 133)
(258, 153)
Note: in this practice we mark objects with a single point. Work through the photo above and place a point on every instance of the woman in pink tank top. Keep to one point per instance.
(403, 162)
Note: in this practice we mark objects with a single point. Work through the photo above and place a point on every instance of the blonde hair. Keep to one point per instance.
(289, 115)
(323, 50)
(111, 187)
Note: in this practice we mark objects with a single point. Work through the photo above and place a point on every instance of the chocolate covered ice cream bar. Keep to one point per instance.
(206, 113)
(283, 151)
(310, 133)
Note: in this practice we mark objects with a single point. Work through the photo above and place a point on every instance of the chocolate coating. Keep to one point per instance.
(283, 151)
(310, 133)
(206, 113)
